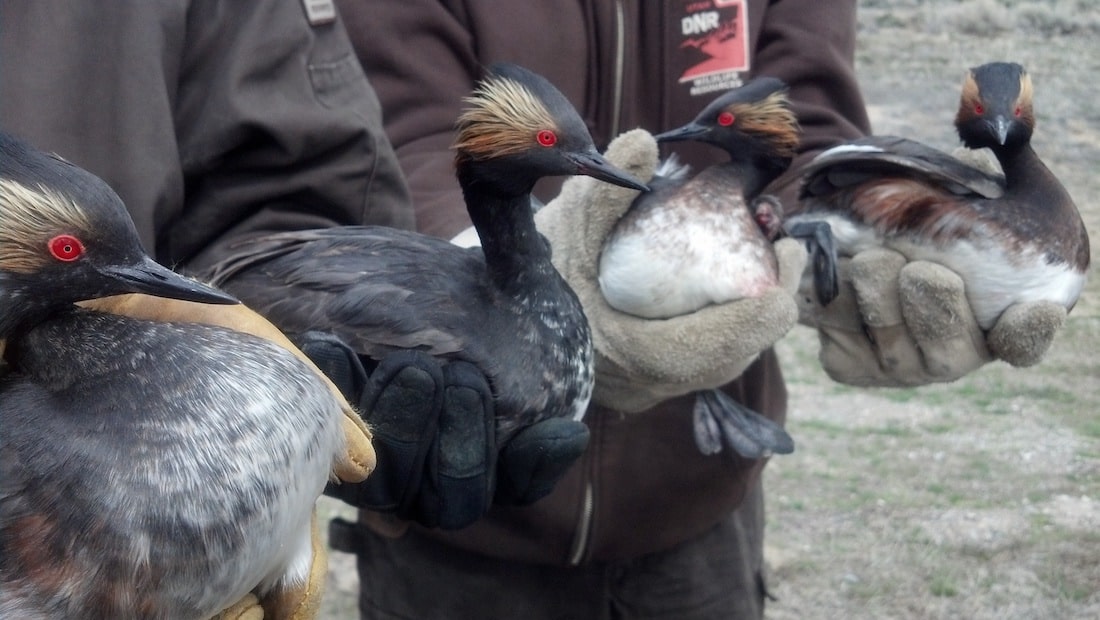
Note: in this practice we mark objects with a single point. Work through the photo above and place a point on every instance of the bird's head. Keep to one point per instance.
(995, 108)
(752, 120)
(65, 236)
(518, 128)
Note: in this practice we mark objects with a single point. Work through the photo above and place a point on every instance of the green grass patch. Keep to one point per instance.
(942, 584)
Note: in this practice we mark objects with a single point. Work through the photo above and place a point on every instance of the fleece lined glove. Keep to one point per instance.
(640, 362)
(900, 323)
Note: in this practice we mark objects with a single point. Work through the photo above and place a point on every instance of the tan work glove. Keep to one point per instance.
(248, 608)
(900, 323)
(640, 362)
(299, 602)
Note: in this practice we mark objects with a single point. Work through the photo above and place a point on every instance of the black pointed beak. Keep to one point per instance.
(691, 131)
(151, 278)
(593, 164)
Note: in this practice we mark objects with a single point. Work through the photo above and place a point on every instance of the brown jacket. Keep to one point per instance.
(642, 485)
(212, 119)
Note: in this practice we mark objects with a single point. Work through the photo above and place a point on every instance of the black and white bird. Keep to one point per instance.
(45, 265)
(1016, 237)
(501, 307)
(147, 469)
(703, 239)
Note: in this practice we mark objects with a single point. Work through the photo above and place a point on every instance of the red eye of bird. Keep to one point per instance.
(547, 138)
(978, 109)
(66, 248)
(1018, 111)
(725, 119)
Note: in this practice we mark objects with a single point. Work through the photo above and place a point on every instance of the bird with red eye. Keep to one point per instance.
(695, 241)
(1014, 237)
(499, 311)
(214, 442)
(547, 138)
(66, 248)
(60, 224)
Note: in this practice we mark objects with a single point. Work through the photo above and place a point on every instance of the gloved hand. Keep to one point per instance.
(248, 608)
(900, 323)
(434, 430)
(300, 601)
(640, 362)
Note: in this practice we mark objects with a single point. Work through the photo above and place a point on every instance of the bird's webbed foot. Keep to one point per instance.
(722, 421)
(821, 245)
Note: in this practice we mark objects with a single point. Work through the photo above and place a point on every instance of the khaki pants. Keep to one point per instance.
(717, 575)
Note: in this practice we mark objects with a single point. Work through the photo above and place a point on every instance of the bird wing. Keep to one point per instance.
(378, 288)
(857, 161)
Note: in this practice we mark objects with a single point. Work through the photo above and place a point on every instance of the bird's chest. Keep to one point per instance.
(546, 368)
(697, 247)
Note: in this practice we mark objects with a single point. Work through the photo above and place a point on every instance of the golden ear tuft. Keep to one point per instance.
(29, 216)
(1024, 100)
(503, 118)
(969, 99)
(771, 118)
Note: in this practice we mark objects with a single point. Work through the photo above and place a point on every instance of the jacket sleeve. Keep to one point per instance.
(420, 56)
(278, 129)
(811, 45)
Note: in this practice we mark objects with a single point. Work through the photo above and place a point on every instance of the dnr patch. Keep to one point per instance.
(710, 44)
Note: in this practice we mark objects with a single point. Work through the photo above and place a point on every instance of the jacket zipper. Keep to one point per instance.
(588, 507)
(584, 526)
(620, 60)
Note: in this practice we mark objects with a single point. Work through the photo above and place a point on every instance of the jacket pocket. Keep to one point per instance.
(341, 82)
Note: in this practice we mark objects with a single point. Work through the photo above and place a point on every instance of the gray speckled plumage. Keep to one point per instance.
(147, 470)
(155, 470)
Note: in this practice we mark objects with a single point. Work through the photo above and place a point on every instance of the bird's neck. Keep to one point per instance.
(505, 222)
(1027, 177)
(756, 170)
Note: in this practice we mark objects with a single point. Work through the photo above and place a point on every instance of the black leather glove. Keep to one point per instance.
(434, 434)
